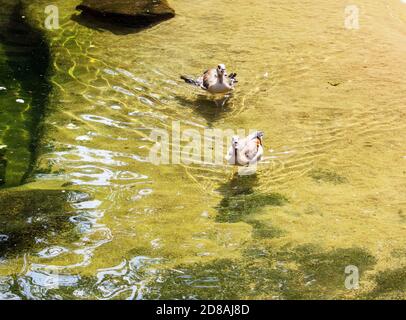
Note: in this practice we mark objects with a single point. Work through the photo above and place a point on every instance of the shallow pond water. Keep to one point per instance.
(330, 193)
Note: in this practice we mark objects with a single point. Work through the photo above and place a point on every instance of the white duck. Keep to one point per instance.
(246, 151)
(215, 81)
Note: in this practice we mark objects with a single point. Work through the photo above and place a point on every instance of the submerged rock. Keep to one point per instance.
(133, 13)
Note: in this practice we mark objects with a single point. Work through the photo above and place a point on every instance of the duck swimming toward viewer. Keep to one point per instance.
(248, 151)
(215, 81)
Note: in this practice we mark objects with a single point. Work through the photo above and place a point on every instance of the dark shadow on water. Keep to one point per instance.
(240, 200)
(239, 185)
(327, 176)
(28, 59)
(390, 285)
(303, 272)
(210, 108)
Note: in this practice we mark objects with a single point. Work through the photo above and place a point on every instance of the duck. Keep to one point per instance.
(215, 80)
(247, 151)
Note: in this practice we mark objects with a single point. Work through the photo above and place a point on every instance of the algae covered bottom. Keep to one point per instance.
(104, 223)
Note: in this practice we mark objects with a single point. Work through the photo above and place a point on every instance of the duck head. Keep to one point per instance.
(221, 70)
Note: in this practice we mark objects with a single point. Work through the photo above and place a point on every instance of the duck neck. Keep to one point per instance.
(221, 78)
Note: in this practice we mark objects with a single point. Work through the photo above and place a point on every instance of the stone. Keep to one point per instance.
(132, 13)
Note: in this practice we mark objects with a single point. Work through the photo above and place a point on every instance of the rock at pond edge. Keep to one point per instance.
(133, 13)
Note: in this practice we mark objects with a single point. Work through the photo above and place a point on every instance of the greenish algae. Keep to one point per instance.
(389, 284)
(237, 208)
(34, 218)
(265, 230)
(305, 272)
(325, 175)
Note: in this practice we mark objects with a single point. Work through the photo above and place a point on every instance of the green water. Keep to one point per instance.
(24, 68)
(330, 193)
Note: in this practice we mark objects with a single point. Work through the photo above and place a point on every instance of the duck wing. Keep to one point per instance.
(258, 135)
(232, 78)
(209, 78)
(190, 80)
(204, 81)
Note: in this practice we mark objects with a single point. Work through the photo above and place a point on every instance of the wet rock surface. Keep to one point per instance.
(130, 13)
